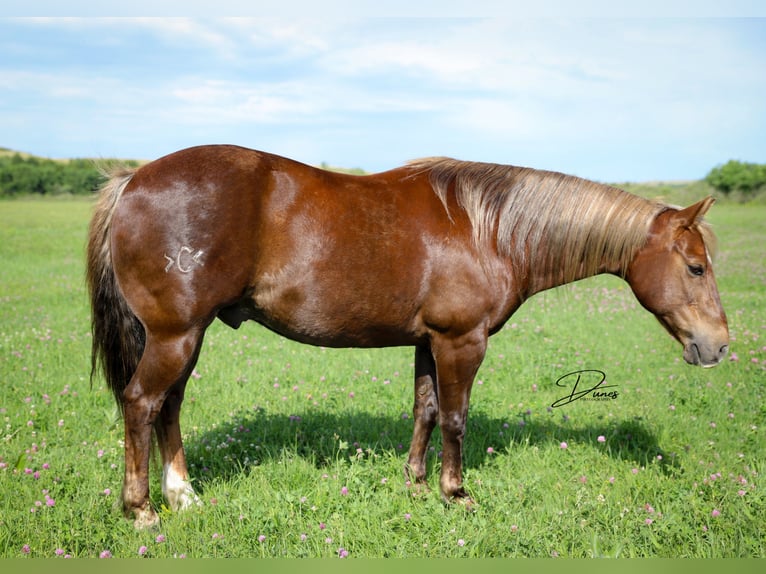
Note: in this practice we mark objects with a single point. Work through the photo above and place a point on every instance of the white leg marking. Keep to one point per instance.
(177, 491)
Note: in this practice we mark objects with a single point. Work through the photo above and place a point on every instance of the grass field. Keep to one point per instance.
(298, 451)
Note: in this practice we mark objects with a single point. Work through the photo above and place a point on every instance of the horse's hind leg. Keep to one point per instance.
(425, 412)
(176, 486)
(162, 372)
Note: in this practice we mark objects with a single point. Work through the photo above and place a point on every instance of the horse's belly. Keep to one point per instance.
(334, 314)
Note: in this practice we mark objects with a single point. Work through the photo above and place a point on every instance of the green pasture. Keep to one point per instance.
(298, 451)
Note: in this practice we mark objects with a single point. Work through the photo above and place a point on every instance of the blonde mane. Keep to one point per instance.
(545, 220)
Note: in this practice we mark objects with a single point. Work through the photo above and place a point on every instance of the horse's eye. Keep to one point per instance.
(697, 270)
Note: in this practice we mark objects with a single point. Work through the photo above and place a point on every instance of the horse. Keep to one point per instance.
(436, 254)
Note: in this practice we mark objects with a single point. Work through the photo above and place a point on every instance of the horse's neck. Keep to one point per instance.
(551, 278)
(539, 272)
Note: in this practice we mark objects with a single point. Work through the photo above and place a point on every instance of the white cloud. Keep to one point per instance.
(187, 30)
(216, 101)
(474, 86)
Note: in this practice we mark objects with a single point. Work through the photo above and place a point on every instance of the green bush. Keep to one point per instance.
(29, 175)
(744, 178)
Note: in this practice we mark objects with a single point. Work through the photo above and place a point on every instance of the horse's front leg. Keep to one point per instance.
(425, 412)
(457, 361)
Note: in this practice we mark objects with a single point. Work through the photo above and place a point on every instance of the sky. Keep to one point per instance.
(613, 98)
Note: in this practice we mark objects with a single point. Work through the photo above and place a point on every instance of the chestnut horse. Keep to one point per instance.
(437, 254)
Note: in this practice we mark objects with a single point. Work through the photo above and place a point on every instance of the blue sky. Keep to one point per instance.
(609, 98)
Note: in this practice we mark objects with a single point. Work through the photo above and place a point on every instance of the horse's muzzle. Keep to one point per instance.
(705, 355)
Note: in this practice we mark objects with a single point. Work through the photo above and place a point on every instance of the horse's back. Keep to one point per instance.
(324, 258)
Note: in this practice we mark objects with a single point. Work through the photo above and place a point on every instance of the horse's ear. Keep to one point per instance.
(686, 218)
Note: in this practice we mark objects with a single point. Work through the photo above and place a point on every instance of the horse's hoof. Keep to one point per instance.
(418, 488)
(461, 498)
(181, 500)
(145, 518)
(468, 503)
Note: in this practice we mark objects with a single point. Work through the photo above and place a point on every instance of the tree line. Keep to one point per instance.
(30, 175)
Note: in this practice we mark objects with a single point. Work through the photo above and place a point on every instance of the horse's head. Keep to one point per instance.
(672, 276)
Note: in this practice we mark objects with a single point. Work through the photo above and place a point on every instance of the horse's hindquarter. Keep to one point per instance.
(182, 236)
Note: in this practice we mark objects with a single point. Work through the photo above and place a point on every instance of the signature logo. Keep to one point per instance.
(587, 384)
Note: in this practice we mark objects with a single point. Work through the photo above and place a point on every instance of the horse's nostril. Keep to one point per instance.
(723, 350)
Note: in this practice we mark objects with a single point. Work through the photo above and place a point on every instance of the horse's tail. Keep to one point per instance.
(118, 336)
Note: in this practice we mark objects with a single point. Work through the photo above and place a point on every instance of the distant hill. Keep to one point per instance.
(680, 193)
(4, 151)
